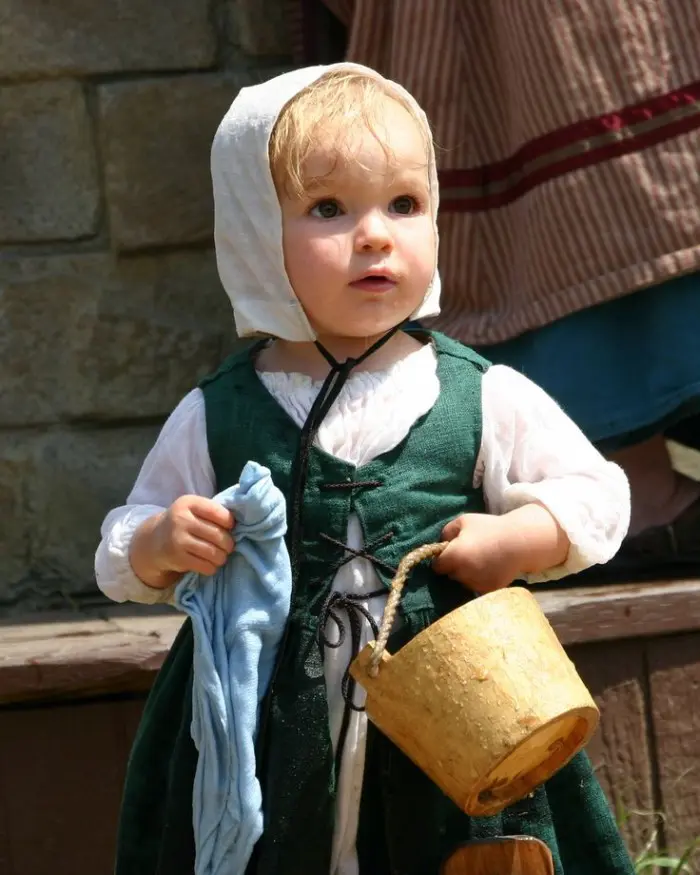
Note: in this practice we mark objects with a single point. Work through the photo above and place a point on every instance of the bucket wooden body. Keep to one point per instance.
(485, 701)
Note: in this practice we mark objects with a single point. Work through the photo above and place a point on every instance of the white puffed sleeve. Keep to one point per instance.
(532, 452)
(177, 465)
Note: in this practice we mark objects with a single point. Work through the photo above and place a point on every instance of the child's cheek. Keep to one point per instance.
(309, 256)
(420, 254)
(325, 255)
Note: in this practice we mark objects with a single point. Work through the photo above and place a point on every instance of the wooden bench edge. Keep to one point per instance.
(109, 652)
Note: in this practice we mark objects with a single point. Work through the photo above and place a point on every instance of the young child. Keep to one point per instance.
(381, 440)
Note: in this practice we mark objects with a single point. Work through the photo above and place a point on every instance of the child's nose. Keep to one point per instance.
(373, 233)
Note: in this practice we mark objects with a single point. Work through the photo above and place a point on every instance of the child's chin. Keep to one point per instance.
(374, 329)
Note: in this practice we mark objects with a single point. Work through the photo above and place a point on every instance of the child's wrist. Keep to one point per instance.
(146, 558)
(535, 540)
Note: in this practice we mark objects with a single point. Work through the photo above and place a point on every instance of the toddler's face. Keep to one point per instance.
(359, 245)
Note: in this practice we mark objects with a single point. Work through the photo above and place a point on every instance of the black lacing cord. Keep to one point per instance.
(328, 393)
(339, 601)
(351, 604)
(332, 385)
(351, 553)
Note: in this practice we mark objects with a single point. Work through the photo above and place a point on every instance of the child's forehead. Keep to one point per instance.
(383, 147)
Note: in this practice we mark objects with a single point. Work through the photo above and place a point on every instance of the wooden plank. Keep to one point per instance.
(607, 613)
(674, 675)
(130, 712)
(6, 866)
(87, 656)
(110, 651)
(615, 674)
(61, 776)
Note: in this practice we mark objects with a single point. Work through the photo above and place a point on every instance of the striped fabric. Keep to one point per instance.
(295, 11)
(569, 146)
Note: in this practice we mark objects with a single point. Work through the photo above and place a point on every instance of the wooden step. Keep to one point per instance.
(120, 648)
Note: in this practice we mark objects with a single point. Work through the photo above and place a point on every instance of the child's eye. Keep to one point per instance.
(404, 205)
(327, 209)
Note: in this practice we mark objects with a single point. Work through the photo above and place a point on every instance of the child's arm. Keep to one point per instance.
(169, 523)
(193, 534)
(558, 506)
(487, 552)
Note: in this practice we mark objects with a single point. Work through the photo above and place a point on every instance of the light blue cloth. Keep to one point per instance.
(238, 618)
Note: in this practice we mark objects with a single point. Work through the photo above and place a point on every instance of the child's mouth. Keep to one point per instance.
(374, 283)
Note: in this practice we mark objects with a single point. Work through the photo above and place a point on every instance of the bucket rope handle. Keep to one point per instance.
(407, 564)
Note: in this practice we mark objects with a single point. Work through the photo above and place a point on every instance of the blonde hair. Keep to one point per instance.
(339, 100)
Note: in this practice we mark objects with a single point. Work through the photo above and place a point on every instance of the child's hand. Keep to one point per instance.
(480, 552)
(489, 552)
(193, 534)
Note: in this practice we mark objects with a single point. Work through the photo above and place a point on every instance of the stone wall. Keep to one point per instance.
(110, 303)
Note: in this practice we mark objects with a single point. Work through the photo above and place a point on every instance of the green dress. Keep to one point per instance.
(403, 499)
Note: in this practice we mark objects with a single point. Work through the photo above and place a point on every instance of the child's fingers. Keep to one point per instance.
(213, 534)
(446, 562)
(453, 529)
(207, 552)
(200, 566)
(213, 512)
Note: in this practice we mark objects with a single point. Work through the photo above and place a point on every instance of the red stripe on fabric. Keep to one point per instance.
(563, 137)
(478, 204)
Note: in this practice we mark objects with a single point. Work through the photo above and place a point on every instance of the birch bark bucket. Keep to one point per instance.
(485, 700)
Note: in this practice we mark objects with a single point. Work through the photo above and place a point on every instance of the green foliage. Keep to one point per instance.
(669, 865)
(650, 860)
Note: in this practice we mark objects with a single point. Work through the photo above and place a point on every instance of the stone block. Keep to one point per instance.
(260, 27)
(54, 492)
(45, 302)
(49, 186)
(156, 137)
(81, 36)
(164, 325)
(90, 338)
(81, 476)
(16, 470)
